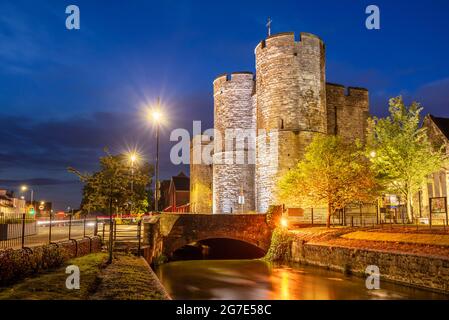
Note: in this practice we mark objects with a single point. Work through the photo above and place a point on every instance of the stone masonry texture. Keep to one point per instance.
(286, 104)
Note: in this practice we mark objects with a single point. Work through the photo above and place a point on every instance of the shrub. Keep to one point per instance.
(280, 247)
(18, 264)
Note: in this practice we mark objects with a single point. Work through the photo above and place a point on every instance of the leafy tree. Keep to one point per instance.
(333, 173)
(400, 151)
(110, 187)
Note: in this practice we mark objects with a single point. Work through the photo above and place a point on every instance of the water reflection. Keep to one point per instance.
(256, 279)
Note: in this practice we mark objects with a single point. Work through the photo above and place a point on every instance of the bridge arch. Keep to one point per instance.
(179, 230)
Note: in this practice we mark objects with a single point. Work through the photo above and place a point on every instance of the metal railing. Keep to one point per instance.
(24, 230)
(126, 232)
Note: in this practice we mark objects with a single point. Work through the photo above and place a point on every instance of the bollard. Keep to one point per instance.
(311, 211)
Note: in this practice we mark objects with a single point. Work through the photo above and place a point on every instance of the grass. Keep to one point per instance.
(129, 278)
(416, 238)
(51, 285)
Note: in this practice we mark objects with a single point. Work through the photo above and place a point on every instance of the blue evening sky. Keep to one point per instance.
(65, 95)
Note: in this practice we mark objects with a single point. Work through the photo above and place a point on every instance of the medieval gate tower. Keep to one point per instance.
(286, 103)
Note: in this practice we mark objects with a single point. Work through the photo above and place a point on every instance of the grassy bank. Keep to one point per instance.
(51, 285)
(127, 278)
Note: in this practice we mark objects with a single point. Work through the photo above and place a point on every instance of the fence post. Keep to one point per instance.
(70, 227)
(96, 227)
(23, 230)
(311, 210)
(115, 229)
(361, 215)
(49, 229)
(84, 227)
(139, 234)
(352, 221)
(103, 229)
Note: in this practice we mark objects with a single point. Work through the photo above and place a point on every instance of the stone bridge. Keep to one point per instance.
(171, 231)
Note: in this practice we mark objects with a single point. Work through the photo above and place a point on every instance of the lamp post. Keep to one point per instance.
(156, 115)
(132, 158)
(24, 189)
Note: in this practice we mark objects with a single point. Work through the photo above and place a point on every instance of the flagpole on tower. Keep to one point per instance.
(269, 26)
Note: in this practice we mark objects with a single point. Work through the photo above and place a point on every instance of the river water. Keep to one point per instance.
(260, 280)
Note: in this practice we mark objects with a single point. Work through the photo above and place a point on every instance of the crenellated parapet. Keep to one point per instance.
(347, 111)
(286, 103)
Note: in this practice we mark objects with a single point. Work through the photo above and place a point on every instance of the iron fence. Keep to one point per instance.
(126, 232)
(24, 230)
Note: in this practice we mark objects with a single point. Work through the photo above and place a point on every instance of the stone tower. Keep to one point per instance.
(287, 104)
(290, 99)
(234, 151)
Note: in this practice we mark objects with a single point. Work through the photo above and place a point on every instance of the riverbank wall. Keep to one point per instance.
(419, 271)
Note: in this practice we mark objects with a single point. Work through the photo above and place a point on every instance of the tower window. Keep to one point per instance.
(281, 124)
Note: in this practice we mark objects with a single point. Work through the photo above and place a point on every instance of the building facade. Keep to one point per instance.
(434, 195)
(10, 205)
(269, 117)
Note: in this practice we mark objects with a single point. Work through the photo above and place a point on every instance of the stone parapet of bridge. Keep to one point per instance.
(172, 231)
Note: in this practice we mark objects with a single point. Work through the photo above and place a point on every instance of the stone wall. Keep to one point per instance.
(169, 232)
(290, 98)
(234, 155)
(347, 111)
(420, 271)
(288, 104)
(201, 152)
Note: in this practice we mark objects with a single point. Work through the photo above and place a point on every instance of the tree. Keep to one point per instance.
(333, 173)
(111, 185)
(401, 154)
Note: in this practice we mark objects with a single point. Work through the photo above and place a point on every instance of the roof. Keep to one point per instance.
(442, 124)
(181, 182)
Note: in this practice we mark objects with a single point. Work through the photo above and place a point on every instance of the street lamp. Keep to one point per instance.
(157, 117)
(24, 189)
(132, 159)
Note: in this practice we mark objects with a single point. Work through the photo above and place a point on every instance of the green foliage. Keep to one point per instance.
(159, 260)
(280, 247)
(273, 215)
(111, 185)
(401, 154)
(333, 173)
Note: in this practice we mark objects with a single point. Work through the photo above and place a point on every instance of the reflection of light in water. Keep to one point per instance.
(239, 281)
(384, 295)
(335, 279)
(192, 288)
(285, 292)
